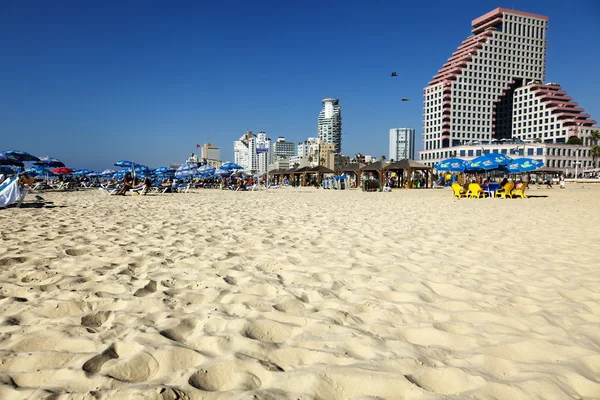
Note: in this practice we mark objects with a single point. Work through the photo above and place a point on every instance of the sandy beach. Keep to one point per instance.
(301, 294)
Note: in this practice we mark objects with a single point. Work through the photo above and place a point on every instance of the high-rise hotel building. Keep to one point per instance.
(492, 88)
(330, 123)
(402, 144)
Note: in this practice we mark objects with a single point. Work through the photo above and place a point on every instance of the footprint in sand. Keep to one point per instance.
(95, 320)
(139, 368)
(10, 261)
(290, 306)
(181, 331)
(231, 280)
(267, 331)
(223, 377)
(94, 364)
(151, 287)
(76, 252)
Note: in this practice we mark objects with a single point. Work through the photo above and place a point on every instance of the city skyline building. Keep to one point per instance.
(211, 154)
(282, 148)
(247, 152)
(492, 89)
(402, 144)
(330, 123)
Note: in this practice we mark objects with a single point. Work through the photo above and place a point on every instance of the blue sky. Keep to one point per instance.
(94, 82)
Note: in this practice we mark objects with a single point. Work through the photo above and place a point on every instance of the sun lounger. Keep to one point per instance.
(11, 193)
(109, 191)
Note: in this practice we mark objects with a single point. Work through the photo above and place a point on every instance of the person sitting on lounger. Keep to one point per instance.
(127, 184)
(144, 186)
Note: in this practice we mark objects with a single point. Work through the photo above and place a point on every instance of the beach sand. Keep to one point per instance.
(301, 294)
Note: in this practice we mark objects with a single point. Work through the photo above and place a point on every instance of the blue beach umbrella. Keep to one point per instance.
(36, 170)
(186, 170)
(221, 172)
(80, 172)
(50, 162)
(6, 170)
(21, 155)
(484, 163)
(124, 163)
(230, 165)
(9, 159)
(523, 165)
(206, 169)
(501, 159)
(451, 165)
(108, 172)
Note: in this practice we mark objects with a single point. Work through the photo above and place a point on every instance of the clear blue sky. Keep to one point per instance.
(94, 82)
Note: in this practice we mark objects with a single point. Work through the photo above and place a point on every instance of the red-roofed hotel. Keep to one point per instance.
(491, 88)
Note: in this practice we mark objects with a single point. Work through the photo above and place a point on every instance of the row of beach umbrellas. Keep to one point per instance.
(42, 165)
(490, 162)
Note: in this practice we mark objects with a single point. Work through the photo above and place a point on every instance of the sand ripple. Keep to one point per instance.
(301, 294)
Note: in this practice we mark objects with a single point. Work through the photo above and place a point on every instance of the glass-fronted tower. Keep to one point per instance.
(330, 123)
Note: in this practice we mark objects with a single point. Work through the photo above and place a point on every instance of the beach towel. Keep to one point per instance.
(10, 193)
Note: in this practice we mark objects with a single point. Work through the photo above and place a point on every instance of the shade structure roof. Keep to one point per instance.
(276, 171)
(376, 166)
(352, 167)
(408, 164)
(320, 169)
(301, 170)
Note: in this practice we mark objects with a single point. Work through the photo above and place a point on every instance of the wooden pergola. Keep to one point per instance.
(276, 174)
(352, 169)
(378, 167)
(320, 170)
(300, 173)
(409, 166)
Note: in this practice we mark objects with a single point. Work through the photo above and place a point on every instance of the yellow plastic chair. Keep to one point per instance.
(458, 191)
(520, 192)
(506, 190)
(475, 191)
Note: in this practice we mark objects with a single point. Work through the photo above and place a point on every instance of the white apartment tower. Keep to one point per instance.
(330, 123)
(402, 144)
(491, 88)
(245, 152)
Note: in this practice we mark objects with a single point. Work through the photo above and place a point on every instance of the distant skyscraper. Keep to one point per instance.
(402, 144)
(330, 123)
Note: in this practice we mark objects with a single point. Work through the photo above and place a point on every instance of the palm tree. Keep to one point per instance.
(595, 150)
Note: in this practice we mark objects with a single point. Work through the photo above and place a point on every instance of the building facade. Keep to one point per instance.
(211, 154)
(247, 152)
(282, 148)
(330, 123)
(402, 144)
(491, 89)
(325, 155)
